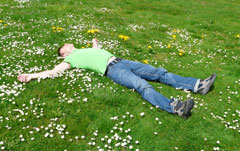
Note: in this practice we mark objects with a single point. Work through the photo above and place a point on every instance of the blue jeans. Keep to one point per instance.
(134, 75)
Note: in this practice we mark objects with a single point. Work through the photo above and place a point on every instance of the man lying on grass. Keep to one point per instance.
(130, 74)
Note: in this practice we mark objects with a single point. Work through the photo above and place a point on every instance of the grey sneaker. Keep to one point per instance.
(183, 109)
(205, 84)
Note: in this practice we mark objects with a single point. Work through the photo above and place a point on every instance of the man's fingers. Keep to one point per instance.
(25, 78)
(22, 78)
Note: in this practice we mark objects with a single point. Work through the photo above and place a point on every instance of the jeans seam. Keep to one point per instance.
(181, 83)
(188, 85)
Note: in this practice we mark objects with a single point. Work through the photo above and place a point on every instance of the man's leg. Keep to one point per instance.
(123, 75)
(149, 72)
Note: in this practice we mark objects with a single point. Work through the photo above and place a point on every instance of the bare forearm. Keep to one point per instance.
(43, 74)
(59, 68)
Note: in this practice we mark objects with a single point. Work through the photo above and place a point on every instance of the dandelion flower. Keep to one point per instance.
(174, 36)
(121, 36)
(125, 38)
(145, 61)
(180, 52)
(93, 31)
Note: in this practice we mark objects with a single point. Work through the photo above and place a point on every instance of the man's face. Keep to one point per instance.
(66, 50)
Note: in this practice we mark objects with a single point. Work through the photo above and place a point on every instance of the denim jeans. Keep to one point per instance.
(134, 75)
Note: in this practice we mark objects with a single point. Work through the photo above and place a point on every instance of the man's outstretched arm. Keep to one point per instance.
(59, 68)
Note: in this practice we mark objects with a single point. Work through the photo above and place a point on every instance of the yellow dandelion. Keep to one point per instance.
(53, 28)
(1, 21)
(169, 46)
(96, 30)
(202, 36)
(174, 36)
(83, 47)
(145, 61)
(238, 35)
(54, 31)
(88, 44)
(5, 24)
(92, 31)
(121, 36)
(180, 53)
(174, 30)
(149, 47)
(125, 38)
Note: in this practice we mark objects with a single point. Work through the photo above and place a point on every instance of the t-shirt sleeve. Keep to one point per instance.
(68, 60)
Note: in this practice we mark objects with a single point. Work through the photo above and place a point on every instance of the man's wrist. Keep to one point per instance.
(33, 76)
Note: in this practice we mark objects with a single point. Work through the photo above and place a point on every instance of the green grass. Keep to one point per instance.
(206, 30)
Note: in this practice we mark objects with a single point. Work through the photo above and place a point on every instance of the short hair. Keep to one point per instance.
(59, 51)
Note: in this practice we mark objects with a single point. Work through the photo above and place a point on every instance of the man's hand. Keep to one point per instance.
(94, 41)
(24, 77)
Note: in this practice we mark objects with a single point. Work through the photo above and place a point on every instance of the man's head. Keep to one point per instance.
(65, 50)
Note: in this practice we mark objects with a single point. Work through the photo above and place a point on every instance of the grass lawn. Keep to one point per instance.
(82, 110)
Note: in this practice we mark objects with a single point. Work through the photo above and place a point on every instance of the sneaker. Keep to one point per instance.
(183, 109)
(205, 84)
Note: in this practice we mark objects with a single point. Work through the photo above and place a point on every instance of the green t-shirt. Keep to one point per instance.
(90, 58)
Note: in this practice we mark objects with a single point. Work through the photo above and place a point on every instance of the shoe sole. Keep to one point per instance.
(188, 108)
(205, 91)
